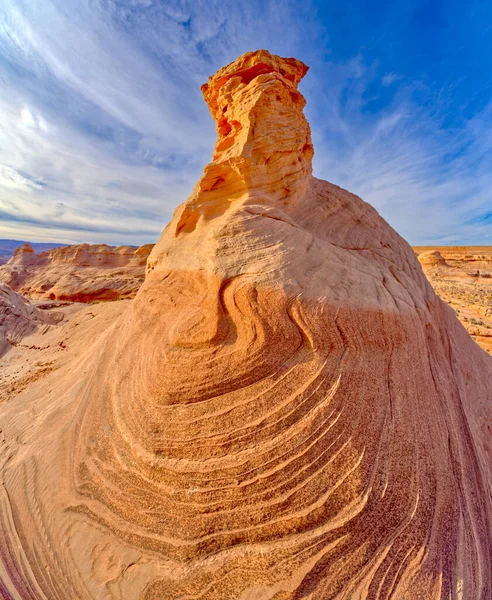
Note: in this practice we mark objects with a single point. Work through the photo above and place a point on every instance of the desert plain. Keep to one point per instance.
(462, 277)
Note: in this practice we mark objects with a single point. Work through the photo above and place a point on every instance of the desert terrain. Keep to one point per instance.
(462, 277)
(285, 409)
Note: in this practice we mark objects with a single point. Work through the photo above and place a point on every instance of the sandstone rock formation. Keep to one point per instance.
(18, 317)
(432, 258)
(286, 410)
(80, 273)
(56, 343)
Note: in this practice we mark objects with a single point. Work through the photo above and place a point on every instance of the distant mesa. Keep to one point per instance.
(285, 411)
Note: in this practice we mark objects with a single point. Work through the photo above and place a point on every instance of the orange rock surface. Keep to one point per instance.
(80, 273)
(286, 410)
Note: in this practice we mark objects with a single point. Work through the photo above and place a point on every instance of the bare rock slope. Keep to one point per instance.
(80, 273)
(18, 318)
(285, 411)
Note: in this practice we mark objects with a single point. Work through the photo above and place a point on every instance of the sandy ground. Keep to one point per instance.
(465, 283)
(52, 346)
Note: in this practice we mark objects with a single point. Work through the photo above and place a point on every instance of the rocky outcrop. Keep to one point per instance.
(80, 273)
(285, 411)
(18, 318)
(25, 256)
(432, 258)
(264, 141)
(8, 247)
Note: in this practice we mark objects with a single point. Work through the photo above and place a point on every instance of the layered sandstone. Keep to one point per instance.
(80, 273)
(285, 411)
(19, 317)
(7, 248)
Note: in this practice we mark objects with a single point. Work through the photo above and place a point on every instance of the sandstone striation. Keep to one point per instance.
(18, 318)
(285, 411)
(80, 273)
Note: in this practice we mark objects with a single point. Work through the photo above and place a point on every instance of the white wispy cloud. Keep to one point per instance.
(433, 184)
(390, 79)
(103, 130)
(12, 179)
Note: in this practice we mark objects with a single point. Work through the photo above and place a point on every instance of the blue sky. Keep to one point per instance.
(103, 130)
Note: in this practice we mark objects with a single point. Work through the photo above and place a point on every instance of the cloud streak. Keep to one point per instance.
(431, 182)
(103, 131)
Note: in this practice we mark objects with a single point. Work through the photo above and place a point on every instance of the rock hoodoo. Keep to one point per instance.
(285, 411)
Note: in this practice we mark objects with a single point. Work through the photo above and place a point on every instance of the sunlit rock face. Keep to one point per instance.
(286, 411)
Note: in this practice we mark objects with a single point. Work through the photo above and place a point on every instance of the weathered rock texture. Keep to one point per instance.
(18, 317)
(286, 410)
(80, 273)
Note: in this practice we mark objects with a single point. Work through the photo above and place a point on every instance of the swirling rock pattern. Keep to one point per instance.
(286, 411)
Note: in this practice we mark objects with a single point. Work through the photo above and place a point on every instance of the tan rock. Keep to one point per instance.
(80, 273)
(25, 256)
(432, 258)
(286, 410)
(18, 318)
